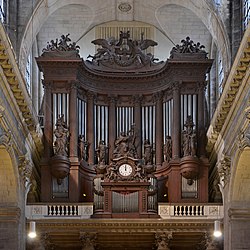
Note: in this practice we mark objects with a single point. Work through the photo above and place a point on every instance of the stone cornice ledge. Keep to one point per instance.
(239, 213)
(10, 214)
(17, 85)
(225, 107)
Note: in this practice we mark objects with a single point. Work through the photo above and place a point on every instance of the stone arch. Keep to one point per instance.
(8, 179)
(143, 11)
(240, 178)
(12, 206)
(42, 12)
(207, 14)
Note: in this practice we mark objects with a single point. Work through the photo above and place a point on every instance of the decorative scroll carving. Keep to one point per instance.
(83, 146)
(62, 45)
(243, 139)
(88, 240)
(188, 47)
(162, 240)
(208, 243)
(6, 139)
(189, 138)
(223, 167)
(125, 144)
(124, 7)
(167, 149)
(61, 134)
(47, 242)
(123, 53)
(112, 172)
(25, 171)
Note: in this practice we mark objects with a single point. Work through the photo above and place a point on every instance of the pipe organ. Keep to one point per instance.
(124, 125)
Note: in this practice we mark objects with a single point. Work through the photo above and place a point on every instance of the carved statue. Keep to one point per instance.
(188, 46)
(138, 172)
(62, 45)
(111, 172)
(148, 152)
(189, 138)
(102, 152)
(61, 134)
(125, 144)
(167, 149)
(123, 52)
(83, 148)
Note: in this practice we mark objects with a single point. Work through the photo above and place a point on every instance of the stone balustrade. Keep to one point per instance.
(193, 211)
(57, 210)
(84, 211)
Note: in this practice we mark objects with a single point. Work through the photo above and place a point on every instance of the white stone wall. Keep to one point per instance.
(179, 22)
(73, 19)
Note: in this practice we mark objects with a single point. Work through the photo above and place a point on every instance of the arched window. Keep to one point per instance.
(246, 13)
(28, 74)
(3, 10)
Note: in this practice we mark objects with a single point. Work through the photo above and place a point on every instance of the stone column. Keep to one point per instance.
(176, 133)
(73, 143)
(112, 125)
(48, 126)
(201, 126)
(90, 127)
(88, 240)
(138, 124)
(159, 129)
(162, 240)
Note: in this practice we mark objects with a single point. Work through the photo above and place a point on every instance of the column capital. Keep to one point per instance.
(6, 139)
(201, 86)
(157, 97)
(162, 240)
(137, 99)
(90, 95)
(88, 240)
(112, 99)
(74, 84)
(176, 85)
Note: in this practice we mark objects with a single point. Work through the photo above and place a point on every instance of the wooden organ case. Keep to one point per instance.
(121, 129)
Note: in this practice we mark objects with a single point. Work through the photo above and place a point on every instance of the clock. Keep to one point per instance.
(125, 170)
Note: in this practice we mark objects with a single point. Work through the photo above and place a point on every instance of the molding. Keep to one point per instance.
(10, 214)
(239, 72)
(15, 83)
(239, 213)
(122, 226)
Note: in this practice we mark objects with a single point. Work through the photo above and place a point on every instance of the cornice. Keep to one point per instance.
(233, 85)
(136, 225)
(15, 83)
(10, 214)
(151, 82)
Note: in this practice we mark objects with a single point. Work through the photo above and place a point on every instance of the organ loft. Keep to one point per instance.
(122, 129)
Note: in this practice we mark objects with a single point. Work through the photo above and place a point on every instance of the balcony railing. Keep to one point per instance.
(47, 211)
(209, 211)
(84, 211)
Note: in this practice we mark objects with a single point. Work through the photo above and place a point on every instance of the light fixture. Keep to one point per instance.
(32, 230)
(217, 230)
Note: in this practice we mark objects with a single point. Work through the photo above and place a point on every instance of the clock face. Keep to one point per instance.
(125, 170)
